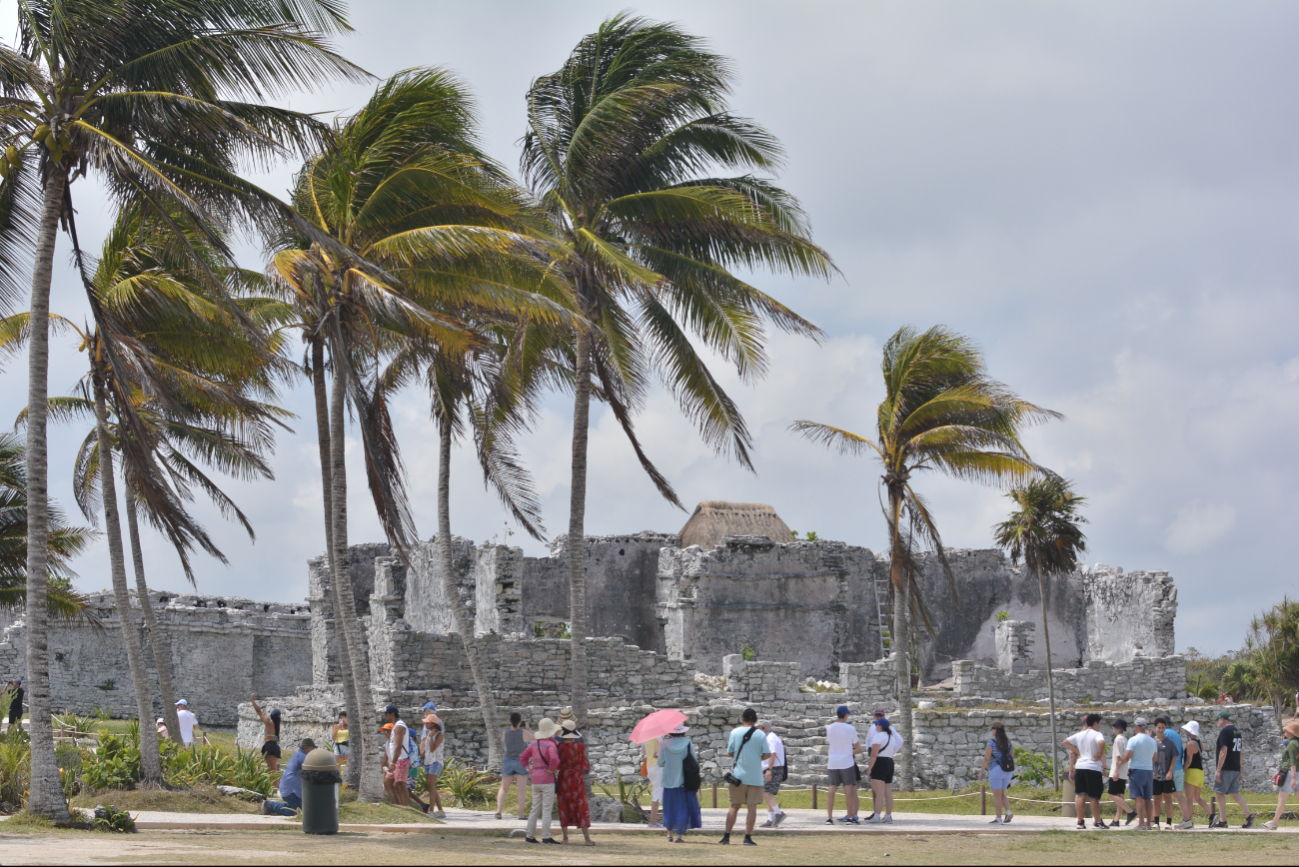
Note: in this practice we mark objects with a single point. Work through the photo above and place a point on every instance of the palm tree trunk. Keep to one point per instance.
(352, 769)
(346, 623)
(900, 642)
(460, 611)
(1050, 683)
(150, 761)
(157, 638)
(577, 526)
(45, 793)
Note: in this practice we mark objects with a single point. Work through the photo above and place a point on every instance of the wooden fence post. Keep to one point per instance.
(983, 800)
(714, 794)
(814, 796)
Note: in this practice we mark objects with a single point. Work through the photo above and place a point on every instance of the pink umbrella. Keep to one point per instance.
(656, 725)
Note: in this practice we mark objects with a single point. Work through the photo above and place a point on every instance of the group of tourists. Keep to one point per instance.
(189, 727)
(1159, 768)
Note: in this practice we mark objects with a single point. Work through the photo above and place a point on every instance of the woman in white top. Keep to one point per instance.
(884, 745)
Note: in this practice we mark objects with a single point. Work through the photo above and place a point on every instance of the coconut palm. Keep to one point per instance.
(430, 225)
(159, 101)
(941, 412)
(1044, 530)
(619, 147)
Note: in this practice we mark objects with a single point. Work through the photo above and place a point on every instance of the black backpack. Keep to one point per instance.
(690, 771)
(1007, 761)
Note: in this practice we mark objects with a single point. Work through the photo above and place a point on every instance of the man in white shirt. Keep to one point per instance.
(188, 723)
(773, 774)
(844, 745)
(1087, 767)
(1119, 774)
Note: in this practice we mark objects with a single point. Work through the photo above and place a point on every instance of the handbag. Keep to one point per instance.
(691, 779)
(730, 778)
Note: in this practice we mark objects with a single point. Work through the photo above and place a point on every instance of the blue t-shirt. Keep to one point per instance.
(748, 766)
(1177, 742)
(1143, 748)
(290, 782)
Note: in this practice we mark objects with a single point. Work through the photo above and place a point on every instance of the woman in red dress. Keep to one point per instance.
(570, 791)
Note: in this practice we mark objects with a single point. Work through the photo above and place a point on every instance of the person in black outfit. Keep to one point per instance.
(16, 706)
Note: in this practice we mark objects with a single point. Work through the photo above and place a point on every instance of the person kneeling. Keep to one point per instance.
(290, 784)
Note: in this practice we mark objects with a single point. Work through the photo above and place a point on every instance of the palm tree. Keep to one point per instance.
(159, 101)
(429, 224)
(618, 149)
(941, 412)
(1044, 530)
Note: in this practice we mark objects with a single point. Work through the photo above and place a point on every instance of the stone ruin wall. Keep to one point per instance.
(222, 648)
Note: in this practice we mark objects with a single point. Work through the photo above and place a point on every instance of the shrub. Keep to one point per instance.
(1032, 768)
(465, 784)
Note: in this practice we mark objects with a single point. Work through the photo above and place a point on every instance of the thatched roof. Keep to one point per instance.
(714, 519)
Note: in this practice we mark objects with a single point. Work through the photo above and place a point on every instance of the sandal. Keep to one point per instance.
(498, 815)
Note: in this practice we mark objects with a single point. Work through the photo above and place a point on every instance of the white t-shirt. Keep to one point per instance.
(1118, 767)
(889, 744)
(776, 747)
(187, 723)
(1089, 744)
(840, 737)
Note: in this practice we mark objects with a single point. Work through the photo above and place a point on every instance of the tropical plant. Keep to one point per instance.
(942, 413)
(618, 149)
(159, 102)
(15, 766)
(430, 226)
(1044, 531)
(1033, 768)
(464, 784)
(1273, 647)
(113, 819)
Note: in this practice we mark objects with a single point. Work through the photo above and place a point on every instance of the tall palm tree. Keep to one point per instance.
(1044, 530)
(941, 412)
(619, 147)
(159, 101)
(429, 224)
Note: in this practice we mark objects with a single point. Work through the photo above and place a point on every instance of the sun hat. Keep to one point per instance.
(1139, 722)
(1291, 728)
(680, 730)
(841, 710)
(1193, 727)
(567, 714)
(570, 730)
(546, 728)
(1120, 723)
(764, 724)
(431, 717)
(1223, 714)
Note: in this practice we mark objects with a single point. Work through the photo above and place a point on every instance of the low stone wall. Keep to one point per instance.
(222, 648)
(1144, 679)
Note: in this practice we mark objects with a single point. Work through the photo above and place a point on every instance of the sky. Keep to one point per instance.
(1102, 196)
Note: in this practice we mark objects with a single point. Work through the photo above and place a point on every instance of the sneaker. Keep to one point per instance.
(829, 821)
(887, 820)
(1132, 815)
(1009, 816)
(725, 841)
(551, 840)
(875, 819)
(996, 821)
(767, 824)
(424, 809)
(1188, 825)
(780, 817)
(1099, 824)
(1170, 822)
(1213, 815)
(1222, 823)
(1082, 826)
(1271, 826)
(748, 841)
(853, 820)
(529, 839)
(870, 818)
(1249, 821)
(442, 815)
(844, 820)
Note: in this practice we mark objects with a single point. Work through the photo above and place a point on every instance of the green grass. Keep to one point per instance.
(359, 813)
(201, 799)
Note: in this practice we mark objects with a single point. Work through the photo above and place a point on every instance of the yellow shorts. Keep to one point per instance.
(1195, 777)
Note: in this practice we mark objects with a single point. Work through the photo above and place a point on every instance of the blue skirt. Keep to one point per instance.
(681, 810)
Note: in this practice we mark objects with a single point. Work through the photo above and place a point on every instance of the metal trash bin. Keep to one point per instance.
(320, 784)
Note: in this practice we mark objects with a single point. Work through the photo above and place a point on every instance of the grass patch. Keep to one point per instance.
(201, 799)
(361, 813)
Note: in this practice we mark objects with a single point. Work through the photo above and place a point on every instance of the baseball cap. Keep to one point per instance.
(182, 702)
(1140, 722)
(307, 744)
(881, 722)
(1223, 714)
(392, 708)
(841, 710)
(1120, 723)
(879, 711)
(430, 706)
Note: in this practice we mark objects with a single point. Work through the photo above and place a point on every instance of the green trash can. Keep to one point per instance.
(320, 784)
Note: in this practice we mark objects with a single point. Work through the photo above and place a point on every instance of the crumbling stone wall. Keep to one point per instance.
(223, 648)
(1144, 678)
(324, 642)
(1129, 614)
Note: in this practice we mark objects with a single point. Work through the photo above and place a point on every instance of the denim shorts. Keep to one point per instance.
(999, 779)
(433, 769)
(513, 768)
(1141, 784)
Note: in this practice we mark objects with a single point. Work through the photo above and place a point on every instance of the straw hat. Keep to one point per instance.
(567, 714)
(547, 728)
(1291, 728)
(570, 730)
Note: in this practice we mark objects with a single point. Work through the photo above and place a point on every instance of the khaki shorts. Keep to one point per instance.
(745, 796)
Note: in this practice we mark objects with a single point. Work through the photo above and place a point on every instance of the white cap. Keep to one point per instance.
(160, 721)
(182, 701)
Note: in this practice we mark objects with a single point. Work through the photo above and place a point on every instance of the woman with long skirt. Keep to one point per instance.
(570, 791)
(680, 806)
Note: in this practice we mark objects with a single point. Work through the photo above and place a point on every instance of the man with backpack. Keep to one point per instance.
(748, 746)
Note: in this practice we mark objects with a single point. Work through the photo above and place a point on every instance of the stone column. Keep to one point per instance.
(1015, 645)
(324, 663)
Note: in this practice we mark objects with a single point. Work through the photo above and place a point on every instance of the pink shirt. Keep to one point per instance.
(542, 759)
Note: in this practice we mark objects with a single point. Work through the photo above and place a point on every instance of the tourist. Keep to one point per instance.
(1226, 779)
(1140, 759)
(774, 773)
(271, 737)
(541, 758)
(1193, 761)
(1118, 784)
(884, 745)
(841, 765)
(999, 765)
(1087, 769)
(566, 715)
(680, 802)
(188, 723)
(385, 763)
(431, 707)
(651, 771)
(340, 736)
(431, 752)
(399, 764)
(162, 729)
(290, 784)
(1179, 773)
(745, 779)
(570, 790)
(1288, 772)
(1165, 761)
(15, 701)
(515, 738)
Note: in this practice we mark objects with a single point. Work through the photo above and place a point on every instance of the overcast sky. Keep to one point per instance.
(1102, 195)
